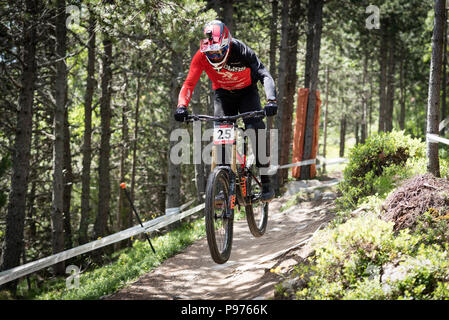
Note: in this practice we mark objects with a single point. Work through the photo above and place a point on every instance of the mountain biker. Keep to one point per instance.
(234, 70)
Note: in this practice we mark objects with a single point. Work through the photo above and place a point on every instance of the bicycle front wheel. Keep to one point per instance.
(219, 226)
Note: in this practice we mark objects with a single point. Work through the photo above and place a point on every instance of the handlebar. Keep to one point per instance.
(203, 117)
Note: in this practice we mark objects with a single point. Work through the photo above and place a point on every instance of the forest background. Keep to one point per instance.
(88, 91)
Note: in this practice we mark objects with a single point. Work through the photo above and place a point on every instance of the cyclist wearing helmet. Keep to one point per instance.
(234, 70)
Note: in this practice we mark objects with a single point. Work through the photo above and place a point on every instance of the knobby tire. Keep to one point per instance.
(218, 228)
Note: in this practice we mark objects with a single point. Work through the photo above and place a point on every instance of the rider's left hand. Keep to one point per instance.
(271, 108)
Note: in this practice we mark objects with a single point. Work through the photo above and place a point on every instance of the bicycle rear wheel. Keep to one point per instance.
(219, 227)
(257, 211)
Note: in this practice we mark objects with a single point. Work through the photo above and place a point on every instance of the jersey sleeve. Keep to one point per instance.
(196, 68)
(261, 73)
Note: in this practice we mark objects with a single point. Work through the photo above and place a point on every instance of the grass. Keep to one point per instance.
(127, 266)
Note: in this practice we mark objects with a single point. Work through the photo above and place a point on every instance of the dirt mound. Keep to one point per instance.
(415, 197)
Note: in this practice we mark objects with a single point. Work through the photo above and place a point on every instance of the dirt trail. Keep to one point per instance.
(192, 274)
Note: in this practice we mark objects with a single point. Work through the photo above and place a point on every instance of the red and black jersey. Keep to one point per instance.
(242, 69)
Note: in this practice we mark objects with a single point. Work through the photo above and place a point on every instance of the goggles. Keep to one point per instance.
(216, 54)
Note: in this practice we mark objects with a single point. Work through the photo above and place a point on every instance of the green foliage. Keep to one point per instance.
(364, 259)
(434, 227)
(376, 165)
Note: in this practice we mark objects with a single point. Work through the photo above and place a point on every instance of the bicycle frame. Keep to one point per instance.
(229, 184)
(239, 193)
(238, 177)
(235, 179)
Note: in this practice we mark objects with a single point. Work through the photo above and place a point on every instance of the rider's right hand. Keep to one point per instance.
(181, 113)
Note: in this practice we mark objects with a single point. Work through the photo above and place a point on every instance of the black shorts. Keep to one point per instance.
(233, 102)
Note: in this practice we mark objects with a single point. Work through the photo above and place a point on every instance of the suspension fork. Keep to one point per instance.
(232, 170)
(232, 194)
(232, 173)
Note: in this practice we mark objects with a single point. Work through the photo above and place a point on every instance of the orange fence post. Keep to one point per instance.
(298, 135)
(316, 133)
(300, 126)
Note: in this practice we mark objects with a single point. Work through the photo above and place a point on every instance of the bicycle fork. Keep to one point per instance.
(232, 192)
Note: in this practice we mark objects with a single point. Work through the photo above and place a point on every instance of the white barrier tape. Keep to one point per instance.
(155, 224)
(331, 161)
(435, 138)
(172, 211)
(273, 169)
(298, 164)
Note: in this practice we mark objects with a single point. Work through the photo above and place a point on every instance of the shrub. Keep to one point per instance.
(363, 258)
(424, 275)
(433, 226)
(375, 167)
(346, 255)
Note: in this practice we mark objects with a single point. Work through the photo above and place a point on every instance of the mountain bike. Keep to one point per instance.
(231, 184)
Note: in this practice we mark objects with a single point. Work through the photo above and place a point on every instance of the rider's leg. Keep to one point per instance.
(257, 133)
(251, 102)
(239, 101)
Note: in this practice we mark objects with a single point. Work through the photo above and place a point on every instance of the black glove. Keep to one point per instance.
(271, 108)
(181, 113)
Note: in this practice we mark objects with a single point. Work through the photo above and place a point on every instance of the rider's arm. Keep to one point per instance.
(259, 70)
(196, 68)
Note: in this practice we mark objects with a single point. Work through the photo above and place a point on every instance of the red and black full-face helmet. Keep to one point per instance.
(217, 43)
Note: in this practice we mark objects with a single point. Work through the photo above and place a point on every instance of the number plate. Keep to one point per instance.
(224, 134)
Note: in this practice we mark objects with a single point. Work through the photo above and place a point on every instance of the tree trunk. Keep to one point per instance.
(273, 50)
(390, 84)
(104, 186)
(273, 38)
(68, 181)
(311, 9)
(225, 12)
(228, 12)
(342, 135)
(173, 196)
(282, 86)
(136, 134)
(402, 91)
(326, 102)
(31, 213)
(200, 175)
(444, 94)
(312, 83)
(383, 75)
(57, 218)
(363, 133)
(370, 103)
(123, 203)
(15, 217)
(86, 149)
(287, 115)
(433, 102)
